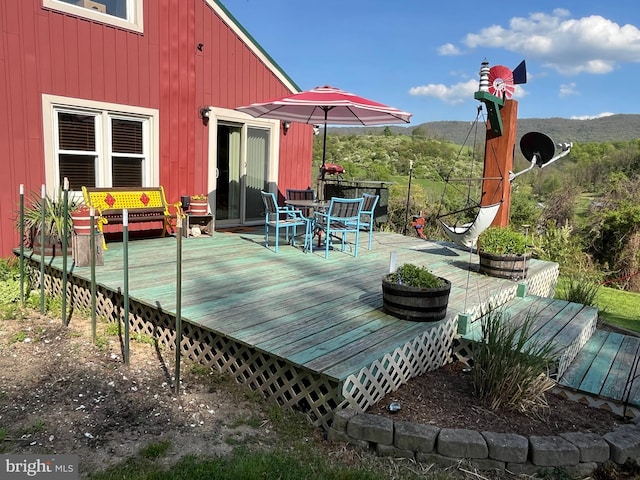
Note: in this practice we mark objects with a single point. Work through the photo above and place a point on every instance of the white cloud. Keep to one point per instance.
(448, 49)
(590, 44)
(567, 89)
(453, 94)
(591, 117)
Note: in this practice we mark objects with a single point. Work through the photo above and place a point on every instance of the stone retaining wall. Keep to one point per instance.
(578, 453)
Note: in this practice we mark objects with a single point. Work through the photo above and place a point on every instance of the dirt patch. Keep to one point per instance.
(60, 393)
(445, 398)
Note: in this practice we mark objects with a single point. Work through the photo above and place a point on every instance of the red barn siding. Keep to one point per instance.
(44, 51)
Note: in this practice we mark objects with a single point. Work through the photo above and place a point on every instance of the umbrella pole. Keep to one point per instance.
(324, 153)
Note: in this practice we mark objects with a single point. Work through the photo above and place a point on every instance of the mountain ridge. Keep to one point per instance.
(619, 127)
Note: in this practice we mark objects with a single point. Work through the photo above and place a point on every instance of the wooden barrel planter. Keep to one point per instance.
(415, 304)
(512, 267)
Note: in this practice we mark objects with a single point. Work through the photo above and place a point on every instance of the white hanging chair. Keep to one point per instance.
(467, 235)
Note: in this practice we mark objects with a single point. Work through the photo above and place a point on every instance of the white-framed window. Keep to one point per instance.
(97, 144)
(127, 14)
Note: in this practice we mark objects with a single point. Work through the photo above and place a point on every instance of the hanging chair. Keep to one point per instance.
(467, 235)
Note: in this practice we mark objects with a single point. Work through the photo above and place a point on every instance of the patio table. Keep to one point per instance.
(315, 205)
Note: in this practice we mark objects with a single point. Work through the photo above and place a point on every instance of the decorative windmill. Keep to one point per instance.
(497, 84)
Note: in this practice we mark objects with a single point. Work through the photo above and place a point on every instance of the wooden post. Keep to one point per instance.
(498, 162)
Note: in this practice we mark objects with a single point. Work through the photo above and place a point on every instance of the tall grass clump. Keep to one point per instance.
(579, 289)
(510, 370)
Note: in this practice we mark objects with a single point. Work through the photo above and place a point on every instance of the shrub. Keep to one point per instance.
(509, 369)
(415, 276)
(502, 240)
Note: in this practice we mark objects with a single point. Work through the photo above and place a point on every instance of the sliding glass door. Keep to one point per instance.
(243, 159)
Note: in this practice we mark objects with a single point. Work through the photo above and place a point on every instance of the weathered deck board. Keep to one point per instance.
(597, 373)
(578, 369)
(619, 376)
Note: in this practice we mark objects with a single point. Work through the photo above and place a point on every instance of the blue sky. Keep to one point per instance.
(583, 60)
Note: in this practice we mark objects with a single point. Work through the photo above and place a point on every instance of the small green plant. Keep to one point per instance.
(199, 197)
(509, 368)
(18, 337)
(54, 213)
(415, 276)
(502, 241)
(579, 289)
(155, 450)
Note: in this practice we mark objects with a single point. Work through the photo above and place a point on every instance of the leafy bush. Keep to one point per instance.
(502, 240)
(415, 276)
(509, 369)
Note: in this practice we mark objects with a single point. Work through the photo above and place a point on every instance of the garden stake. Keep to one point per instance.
(125, 256)
(92, 246)
(178, 301)
(43, 207)
(406, 213)
(22, 244)
(65, 243)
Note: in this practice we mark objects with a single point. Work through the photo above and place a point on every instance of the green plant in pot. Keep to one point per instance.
(54, 212)
(504, 253)
(412, 292)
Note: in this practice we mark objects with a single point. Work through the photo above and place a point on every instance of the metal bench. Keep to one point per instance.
(145, 204)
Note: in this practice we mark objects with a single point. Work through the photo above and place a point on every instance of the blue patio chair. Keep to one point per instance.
(283, 217)
(342, 217)
(367, 218)
(307, 194)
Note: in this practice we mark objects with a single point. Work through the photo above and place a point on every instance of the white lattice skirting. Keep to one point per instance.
(427, 352)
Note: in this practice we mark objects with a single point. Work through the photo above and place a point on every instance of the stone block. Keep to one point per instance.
(371, 428)
(593, 448)
(507, 447)
(342, 417)
(415, 436)
(552, 451)
(462, 443)
(434, 458)
(391, 451)
(624, 443)
(337, 436)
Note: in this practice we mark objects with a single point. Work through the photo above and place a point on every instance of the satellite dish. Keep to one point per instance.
(539, 149)
(539, 145)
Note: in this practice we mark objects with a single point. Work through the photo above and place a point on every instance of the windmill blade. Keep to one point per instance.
(520, 73)
(501, 81)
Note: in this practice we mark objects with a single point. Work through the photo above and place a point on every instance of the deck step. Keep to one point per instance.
(607, 367)
(566, 325)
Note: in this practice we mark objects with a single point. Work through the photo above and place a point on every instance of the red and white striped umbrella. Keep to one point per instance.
(327, 106)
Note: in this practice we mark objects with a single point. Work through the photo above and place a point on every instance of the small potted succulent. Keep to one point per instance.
(414, 293)
(504, 253)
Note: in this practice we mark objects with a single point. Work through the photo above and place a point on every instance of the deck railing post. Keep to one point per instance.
(22, 244)
(92, 246)
(43, 223)
(125, 256)
(178, 302)
(65, 243)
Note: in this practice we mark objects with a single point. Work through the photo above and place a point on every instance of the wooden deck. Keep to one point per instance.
(605, 373)
(309, 331)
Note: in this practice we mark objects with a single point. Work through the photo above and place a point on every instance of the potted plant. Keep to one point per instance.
(199, 204)
(504, 253)
(53, 220)
(414, 293)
